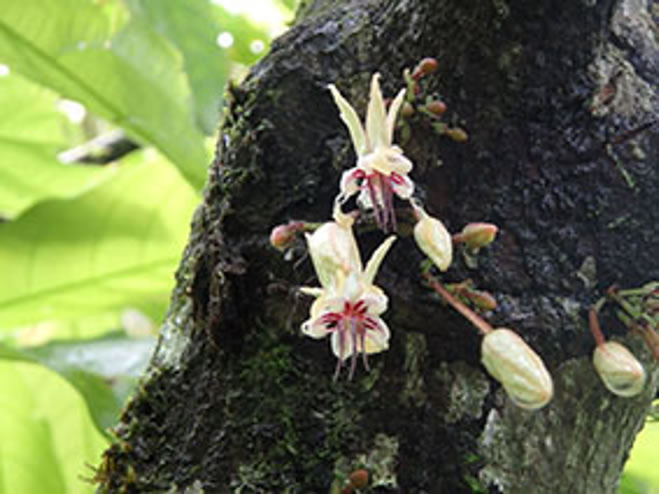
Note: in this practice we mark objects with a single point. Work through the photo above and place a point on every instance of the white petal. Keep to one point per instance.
(374, 262)
(398, 162)
(393, 112)
(387, 160)
(377, 340)
(375, 300)
(376, 117)
(351, 120)
(342, 345)
(333, 247)
(313, 291)
(314, 328)
(349, 184)
(405, 189)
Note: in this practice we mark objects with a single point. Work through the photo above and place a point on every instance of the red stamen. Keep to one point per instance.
(396, 178)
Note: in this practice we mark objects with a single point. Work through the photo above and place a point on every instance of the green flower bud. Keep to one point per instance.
(518, 368)
(619, 370)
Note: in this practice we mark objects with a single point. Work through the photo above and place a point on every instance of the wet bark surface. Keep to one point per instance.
(559, 100)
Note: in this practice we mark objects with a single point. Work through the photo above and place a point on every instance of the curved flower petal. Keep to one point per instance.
(403, 186)
(314, 328)
(387, 161)
(393, 113)
(375, 299)
(376, 117)
(332, 247)
(350, 182)
(376, 259)
(377, 340)
(313, 291)
(351, 120)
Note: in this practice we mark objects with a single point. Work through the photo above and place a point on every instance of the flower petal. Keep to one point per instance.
(403, 186)
(375, 300)
(333, 247)
(342, 344)
(377, 340)
(393, 113)
(376, 117)
(351, 120)
(315, 326)
(313, 291)
(386, 161)
(349, 184)
(374, 262)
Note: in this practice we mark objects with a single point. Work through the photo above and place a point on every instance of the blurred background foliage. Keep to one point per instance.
(110, 111)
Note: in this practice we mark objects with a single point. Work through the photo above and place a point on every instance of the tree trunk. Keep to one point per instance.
(558, 99)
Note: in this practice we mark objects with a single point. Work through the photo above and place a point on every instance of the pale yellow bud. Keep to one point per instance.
(518, 368)
(433, 239)
(619, 370)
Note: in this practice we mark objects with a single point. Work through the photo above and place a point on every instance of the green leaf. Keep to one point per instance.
(131, 77)
(191, 26)
(47, 435)
(31, 133)
(104, 371)
(115, 246)
(641, 475)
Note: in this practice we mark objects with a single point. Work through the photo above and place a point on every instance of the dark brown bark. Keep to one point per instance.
(556, 97)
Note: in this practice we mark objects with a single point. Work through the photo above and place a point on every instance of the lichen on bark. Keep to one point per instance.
(237, 400)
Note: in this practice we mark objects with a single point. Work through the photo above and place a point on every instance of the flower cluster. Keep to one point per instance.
(348, 306)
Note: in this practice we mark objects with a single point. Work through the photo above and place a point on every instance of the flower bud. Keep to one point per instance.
(282, 236)
(477, 235)
(433, 239)
(457, 134)
(619, 370)
(426, 66)
(436, 107)
(481, 299)
(518, 368)
(406, 110)
(359, 478)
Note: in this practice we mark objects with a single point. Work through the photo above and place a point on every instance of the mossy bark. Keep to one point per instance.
(557, 98)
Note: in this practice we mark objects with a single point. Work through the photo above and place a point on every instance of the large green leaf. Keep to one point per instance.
(115, 246)
(31, 133)
(47, 435)
(131, 77)
(104, 371)
(191, 26)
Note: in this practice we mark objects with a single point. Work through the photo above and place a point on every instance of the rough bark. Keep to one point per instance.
(237, 400)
